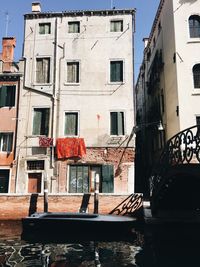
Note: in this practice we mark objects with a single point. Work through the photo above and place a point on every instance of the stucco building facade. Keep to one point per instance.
(76, 107)
(168, 84)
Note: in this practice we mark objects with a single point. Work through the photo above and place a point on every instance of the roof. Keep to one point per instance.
(75, 13)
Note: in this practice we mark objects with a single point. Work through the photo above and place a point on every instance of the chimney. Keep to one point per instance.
(36, 7)
(8, 44)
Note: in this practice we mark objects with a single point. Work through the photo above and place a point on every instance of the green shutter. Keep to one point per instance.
(120, 121)
(107, 179)
(72, 179)
(37, 120)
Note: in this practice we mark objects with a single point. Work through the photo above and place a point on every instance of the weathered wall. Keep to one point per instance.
(17, 207)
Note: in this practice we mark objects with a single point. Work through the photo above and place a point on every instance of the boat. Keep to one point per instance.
(77, 226)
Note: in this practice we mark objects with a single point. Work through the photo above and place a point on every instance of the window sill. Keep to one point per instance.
(193, 40)
(71, 84)
(116, 83)
(196, 91)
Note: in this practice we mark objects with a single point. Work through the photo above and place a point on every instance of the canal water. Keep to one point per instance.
(146, 248)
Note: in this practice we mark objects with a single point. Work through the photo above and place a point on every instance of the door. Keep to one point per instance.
(4, 180)
(34, 182)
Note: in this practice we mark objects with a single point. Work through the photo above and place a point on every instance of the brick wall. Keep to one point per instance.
(16, 207)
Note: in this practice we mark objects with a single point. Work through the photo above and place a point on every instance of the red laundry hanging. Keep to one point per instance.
(70, 147)
(45, 141)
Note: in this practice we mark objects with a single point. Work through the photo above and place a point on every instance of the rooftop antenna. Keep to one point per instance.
(7, 22)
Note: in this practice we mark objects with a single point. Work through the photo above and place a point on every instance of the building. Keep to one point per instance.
(169, 80)
(10, 80)
(76, 107)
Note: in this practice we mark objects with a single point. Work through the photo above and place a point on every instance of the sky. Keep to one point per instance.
(12, 19)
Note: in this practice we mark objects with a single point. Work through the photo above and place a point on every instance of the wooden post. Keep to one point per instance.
(45, 193)
(96, 194)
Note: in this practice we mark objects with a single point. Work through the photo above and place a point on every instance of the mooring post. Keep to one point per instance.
(96, 194)
(45, 193)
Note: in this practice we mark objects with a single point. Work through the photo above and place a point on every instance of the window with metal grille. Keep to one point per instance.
(117, 123)
(196, 75)
(41, 121)
(35, 165)
(116, 71)
(7, 95)
(44, 28)
(43, 70)
(116, 26)
(71, 124)
(6, 142)
(194, 26)
(74, 26)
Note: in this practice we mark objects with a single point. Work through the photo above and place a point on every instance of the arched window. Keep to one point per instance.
(196, 75)
(194, 26)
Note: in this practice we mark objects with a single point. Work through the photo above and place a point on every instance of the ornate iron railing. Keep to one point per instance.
(182, 148)
(130, 206)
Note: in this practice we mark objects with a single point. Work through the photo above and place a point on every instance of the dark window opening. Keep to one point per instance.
(116, 71)
(41, 121)
(194, 26)
(196, 75)
(44, 28)
(74, 27)
(7, 96)
(4, 181)
(35, 165)
(117, 123)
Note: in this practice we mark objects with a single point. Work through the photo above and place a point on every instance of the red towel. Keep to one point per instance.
(45, 141)
(70, 147)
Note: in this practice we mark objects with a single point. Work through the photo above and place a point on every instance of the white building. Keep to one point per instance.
(78, 87)
(170, 75)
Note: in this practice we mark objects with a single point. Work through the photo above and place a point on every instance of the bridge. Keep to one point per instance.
(175, 181)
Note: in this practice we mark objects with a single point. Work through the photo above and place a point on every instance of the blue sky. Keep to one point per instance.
(12, 11)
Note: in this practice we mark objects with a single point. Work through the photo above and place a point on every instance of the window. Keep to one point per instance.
(43, 70)
(74, 27)
(73, 72)
(116, 26)
(44, 28)
(6, 142)
(82, 178)
(116, 71)
(41, 121)
(196, 75)
(4, 181)
(7, 96)
(71, 123)
(35, 165)
(194, 26)
(117, 123)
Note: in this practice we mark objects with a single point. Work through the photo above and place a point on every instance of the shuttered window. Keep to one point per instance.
(194, 26)
(107, 178)
(82, 178)
(71, 124)
(74, 27)
(44, 28)
(196, 75)
(116, 26)
(6, 142)
(7, 96)
(43, 70)
(116, 71)
(73, 72)
(117, 123)
(79, 179)
(41, 121)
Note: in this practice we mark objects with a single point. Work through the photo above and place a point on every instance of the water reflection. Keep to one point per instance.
(150, 249)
